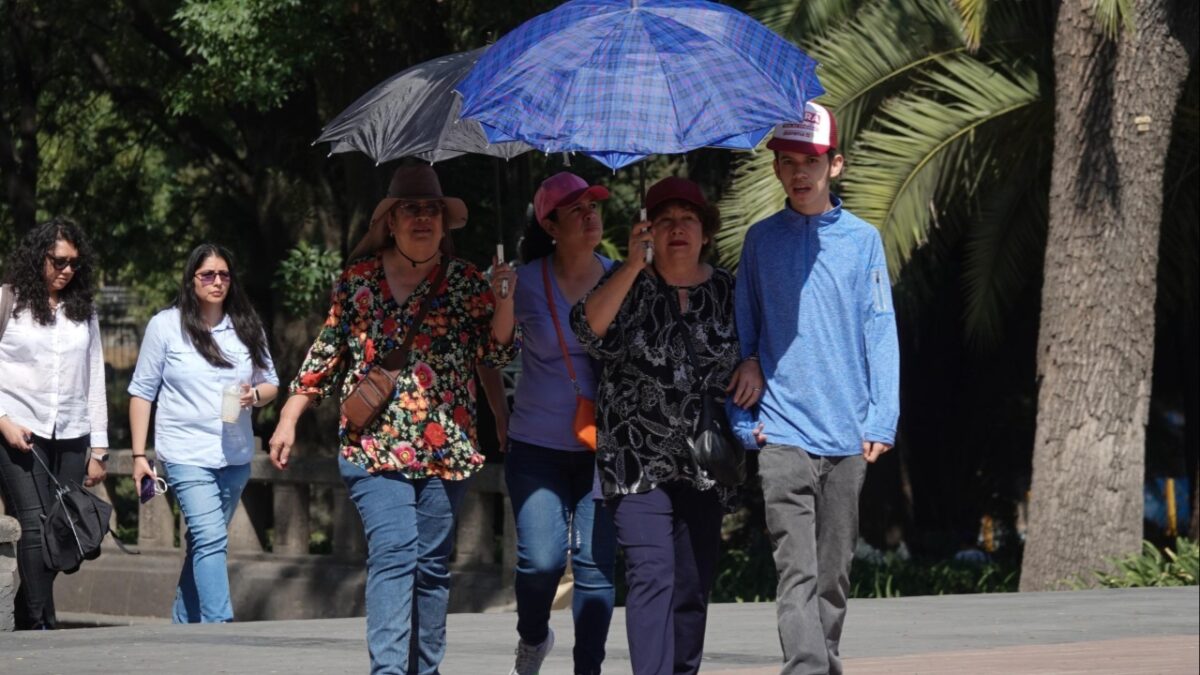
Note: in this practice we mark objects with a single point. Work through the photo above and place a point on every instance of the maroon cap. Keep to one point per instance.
(674, 187)
(563, 189)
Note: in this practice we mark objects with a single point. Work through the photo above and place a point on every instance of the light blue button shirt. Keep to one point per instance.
(188, 427)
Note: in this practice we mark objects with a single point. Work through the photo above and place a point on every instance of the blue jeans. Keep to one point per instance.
(557, 514)
(410, 532)
(208, 499)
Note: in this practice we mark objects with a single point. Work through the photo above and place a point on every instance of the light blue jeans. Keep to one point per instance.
(208, 499)
(557, 515)
(410, 533)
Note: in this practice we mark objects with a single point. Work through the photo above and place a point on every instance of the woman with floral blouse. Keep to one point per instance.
(666, 509)
(406, 471)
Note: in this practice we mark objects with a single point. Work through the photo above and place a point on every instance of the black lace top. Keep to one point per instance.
(648, 399)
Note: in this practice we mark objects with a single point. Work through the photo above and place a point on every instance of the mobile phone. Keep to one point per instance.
(150, 488)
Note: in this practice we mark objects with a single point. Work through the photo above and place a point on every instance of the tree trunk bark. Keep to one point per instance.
(1096, 337)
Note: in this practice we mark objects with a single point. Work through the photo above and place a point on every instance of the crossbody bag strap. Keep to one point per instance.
(395, 359)
(562, 343)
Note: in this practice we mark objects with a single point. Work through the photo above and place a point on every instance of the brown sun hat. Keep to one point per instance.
(410, 183)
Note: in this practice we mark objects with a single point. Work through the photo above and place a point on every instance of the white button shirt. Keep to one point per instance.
(52, 377)
(187, 425)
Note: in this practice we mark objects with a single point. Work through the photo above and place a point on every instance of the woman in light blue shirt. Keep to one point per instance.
(210, 340)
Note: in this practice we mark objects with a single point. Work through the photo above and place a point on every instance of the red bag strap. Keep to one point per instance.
(562, 343)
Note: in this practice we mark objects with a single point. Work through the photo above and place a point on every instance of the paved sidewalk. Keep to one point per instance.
(1108, 631)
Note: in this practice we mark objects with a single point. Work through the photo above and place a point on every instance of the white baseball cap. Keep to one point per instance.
(814, 135)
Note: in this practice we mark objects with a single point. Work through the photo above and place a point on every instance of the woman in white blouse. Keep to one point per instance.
(209, 341)
(51, 394)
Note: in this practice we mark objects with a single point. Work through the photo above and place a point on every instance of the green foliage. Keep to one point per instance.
(1153, 567)
(305, 276)
(894, 578)
(248, 52)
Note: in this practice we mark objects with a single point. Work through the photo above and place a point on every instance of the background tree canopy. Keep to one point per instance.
(158, 124)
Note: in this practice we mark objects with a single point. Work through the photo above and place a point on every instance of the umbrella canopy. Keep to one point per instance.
(621, 79)
(415, 113)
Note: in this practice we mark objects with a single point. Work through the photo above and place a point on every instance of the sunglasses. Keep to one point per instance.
(61, 264)
(209, 277)
(420, 209)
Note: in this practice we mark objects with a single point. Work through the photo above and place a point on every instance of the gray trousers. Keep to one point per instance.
(812, 515)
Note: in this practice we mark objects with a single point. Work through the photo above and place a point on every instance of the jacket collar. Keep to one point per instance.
(828, 218)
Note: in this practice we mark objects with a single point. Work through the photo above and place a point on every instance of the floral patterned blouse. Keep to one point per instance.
(648, 398)
(429, 428)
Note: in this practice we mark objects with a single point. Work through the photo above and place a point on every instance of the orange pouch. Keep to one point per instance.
(585, 422)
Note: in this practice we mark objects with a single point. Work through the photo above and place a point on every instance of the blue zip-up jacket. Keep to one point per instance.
(814, 302)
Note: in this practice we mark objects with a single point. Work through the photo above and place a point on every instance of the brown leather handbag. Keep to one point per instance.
(369, 397)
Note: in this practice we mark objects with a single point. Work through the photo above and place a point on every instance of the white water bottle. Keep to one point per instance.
(231, 404)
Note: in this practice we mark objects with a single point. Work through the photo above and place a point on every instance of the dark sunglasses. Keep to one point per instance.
(209, 277)
(61, 264)
(420, 209)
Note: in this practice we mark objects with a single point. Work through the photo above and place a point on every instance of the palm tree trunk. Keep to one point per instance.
(1114, 104)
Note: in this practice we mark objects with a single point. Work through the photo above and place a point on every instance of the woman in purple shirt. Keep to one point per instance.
(550, 473)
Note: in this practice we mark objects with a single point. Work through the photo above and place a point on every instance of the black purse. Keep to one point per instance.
(714, 447)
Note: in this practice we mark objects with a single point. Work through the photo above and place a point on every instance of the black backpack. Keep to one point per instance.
(75, 525)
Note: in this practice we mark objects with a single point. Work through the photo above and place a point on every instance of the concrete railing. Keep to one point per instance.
(272, 573)
(10, 532)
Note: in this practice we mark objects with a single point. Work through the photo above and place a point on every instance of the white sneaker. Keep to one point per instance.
(530, 657)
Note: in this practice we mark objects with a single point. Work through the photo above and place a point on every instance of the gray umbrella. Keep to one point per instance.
(414, 113)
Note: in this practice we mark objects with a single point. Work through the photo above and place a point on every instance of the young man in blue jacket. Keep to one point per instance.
(816, 324)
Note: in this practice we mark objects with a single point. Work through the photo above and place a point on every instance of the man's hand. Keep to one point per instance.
(873, 449)
(746, 384)
(759, 436)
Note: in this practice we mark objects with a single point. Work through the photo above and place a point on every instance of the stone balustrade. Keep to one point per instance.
(272, 573)
(10, 532)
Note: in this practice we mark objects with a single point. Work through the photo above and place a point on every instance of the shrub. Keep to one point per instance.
(1154, 567)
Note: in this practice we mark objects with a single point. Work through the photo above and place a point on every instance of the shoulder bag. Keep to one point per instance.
(713, 445)
(370, 395)
(585, 409)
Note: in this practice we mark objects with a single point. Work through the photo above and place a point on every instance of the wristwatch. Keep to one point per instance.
(254, 390)
(100, 458)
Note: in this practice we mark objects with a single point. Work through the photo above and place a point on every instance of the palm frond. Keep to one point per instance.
(918, 142)
(973, 14)
(875, 55)
(753, 194)
(863, 62)
(1113, 15)
(1004, 246)
(799, 20)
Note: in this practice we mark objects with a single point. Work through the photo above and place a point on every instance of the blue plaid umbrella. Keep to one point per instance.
(621, 79)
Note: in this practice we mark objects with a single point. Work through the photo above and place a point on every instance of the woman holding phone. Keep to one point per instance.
(666, 508)
(210, 346)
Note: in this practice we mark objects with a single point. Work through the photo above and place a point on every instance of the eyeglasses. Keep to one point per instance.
(61, 264)
(420, 209)
(209, 277)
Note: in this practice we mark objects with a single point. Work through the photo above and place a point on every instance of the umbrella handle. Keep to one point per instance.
(648, 254)
(503, 282)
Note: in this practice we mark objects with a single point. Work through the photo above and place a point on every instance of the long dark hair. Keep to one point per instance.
(241, 313)
(26, 273)
(536, 242)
